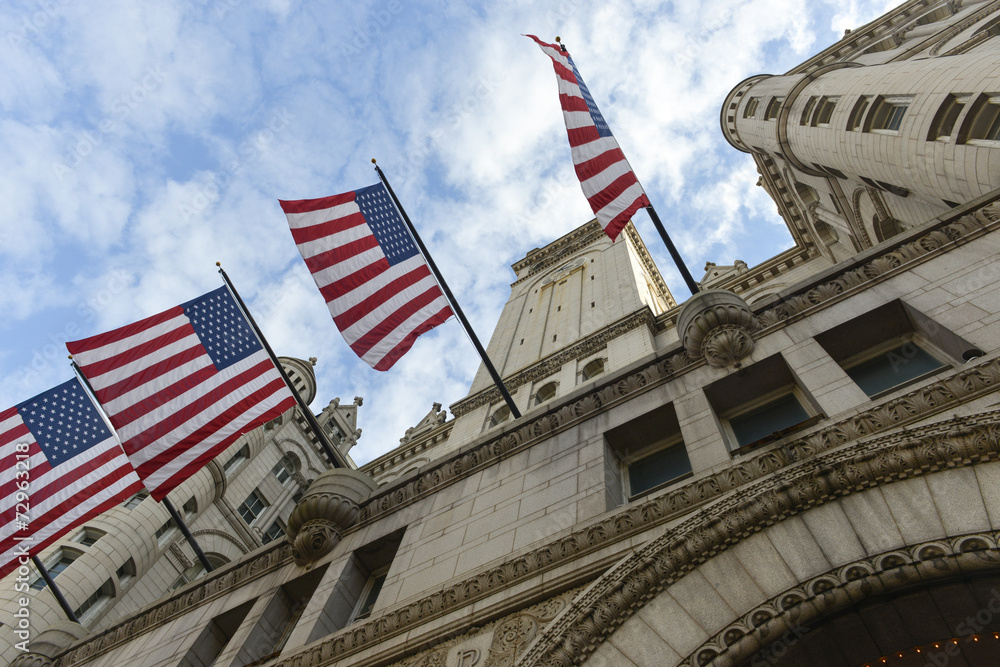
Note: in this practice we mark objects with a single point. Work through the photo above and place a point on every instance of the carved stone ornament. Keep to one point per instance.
(328, 508)
(717, 325)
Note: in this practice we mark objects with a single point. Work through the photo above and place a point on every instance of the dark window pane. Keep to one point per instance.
(895, 367)
(661, 467)
(776, 415)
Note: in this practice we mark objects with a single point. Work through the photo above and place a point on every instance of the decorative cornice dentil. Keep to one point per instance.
(573, 242)
(555, 361)
(960, 386)
(822, 595)
(610, 601)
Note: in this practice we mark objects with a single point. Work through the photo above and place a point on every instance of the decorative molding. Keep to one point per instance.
(922, 450)
(959, 27)
(575, 241)
(610, 601)
(510, 636)
(554, 362)
(228, 537)
(746, 472)
(717, 325)
(212, 586)
(837, 589)
(328, 508)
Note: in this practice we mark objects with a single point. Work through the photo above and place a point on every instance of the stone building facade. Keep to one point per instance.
(798, 465)
(135, 554)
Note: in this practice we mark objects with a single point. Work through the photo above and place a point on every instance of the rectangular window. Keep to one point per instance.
(645, 455)
(134, 501)
(773, 108)
(947, 115)
(984, 120)
(88, 536)
(760, 404)
(282, 470)
(369, 595)
(273, 532)
(750, 110)
(236, 459)
(855, 120)
(892, 346)
(824, 111)
(64, 558)
(887, 115)
(807, 111)
(252, 507)
(774, 415)
(105, 592)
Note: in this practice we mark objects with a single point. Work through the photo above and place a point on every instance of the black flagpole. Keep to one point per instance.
(55, 589)
(185, 531)
(451, 299)
(328, 448)
(187, 534)
(676, 256)
(661, 230)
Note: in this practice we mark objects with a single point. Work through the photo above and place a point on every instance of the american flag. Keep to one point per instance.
(607, 179)
(377, 285)
(56, 450)
(182, 386)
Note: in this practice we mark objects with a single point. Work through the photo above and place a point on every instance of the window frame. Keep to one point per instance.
(974, 121)
(945, 124)
(63, 554)
(773, 396)
(878, 121)
(255, 494)
(750, 109)
(890, 344)
(631, 458)
(375, 577)
(822, 114)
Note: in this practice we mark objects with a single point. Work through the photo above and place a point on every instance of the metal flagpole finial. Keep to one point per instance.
(373, 161)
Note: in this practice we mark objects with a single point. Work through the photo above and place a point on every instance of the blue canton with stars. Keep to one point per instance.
(64, 421)
(223, 330)
(386, 224)
(595, 113)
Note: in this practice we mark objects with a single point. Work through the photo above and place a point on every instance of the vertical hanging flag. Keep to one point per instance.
(60, 466)
(607, 179)
(182, 386)
(376, 283)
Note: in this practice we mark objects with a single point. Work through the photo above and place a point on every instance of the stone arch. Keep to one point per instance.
(870, 511)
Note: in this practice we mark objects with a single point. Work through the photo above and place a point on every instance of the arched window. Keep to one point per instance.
(546, 393)
(592, 369)
(501, 415)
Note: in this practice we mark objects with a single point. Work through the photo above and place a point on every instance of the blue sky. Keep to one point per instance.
(142, 142)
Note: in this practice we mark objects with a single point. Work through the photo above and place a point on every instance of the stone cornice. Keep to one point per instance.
(631, 520)
(212, 586)
(959, 387)
(552, 363)
(948, 392)
(409, 451)
(610, 601)
(577, 240)
(822, 595)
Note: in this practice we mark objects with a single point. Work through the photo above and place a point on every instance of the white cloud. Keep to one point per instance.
(165, 115)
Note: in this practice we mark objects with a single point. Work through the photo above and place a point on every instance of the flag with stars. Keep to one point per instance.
(608, 182)
(60, 466)
(378, 287)
(182, 386)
